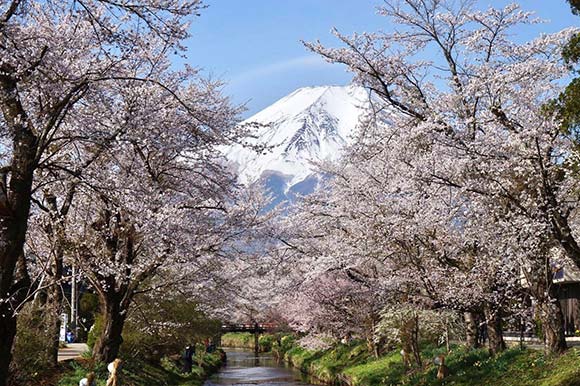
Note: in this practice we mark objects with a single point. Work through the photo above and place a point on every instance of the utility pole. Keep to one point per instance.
(256, 338)
(73, 301)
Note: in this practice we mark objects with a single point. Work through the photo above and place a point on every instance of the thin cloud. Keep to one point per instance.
(301, 62)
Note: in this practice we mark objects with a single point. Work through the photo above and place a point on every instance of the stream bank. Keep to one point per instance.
(138, 372)
(352, 365)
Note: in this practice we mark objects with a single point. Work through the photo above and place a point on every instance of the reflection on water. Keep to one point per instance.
(245, 368)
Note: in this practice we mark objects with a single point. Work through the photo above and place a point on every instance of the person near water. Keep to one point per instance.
(188, 359)
(223, 356)
(209, 346)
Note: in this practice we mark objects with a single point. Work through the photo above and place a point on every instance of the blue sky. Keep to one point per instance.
(254, 45)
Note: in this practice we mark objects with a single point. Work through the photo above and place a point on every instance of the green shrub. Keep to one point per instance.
(164, 327)
(32, 355)
(238, 340)
(287, 342)
(95, 332)
(283, 343)
(266, 342)
(88, 310)
(27, 364)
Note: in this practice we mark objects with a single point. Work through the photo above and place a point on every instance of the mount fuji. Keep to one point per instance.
(310, 125)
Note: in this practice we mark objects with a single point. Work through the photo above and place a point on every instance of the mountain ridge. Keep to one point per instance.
(309, 125)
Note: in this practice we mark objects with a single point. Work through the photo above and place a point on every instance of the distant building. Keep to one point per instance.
(567, 279)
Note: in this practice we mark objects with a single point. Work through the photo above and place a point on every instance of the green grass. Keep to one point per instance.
(139, 373)
(238, 340)
(514, 367)
(266, 342)
(383, 371)
(327, 365)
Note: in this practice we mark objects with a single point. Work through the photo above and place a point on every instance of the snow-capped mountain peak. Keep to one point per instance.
(309, 125)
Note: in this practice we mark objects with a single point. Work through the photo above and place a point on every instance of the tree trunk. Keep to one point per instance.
(410, 340)
(256, 339)
(7, 335)
(496, 343)
(375, 346)
(548, 307)
(53, 309)
(415, 342)
(115, 295)
(16, 295)
(472, 337)
(15, 199)
(14, 283)
(379, 347)
(109, 342)
(550, 314)
(371, 346)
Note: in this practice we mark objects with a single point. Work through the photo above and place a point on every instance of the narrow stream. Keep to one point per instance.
(245, 368)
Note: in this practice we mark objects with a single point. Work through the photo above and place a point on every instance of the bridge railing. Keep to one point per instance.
(249, 327)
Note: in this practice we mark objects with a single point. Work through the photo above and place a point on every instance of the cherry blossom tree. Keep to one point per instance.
(159, 196)
(474, 120)
(402, 238)
(55, 57)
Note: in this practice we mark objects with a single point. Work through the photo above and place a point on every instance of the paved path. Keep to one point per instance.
(72, 351)
(536, 343)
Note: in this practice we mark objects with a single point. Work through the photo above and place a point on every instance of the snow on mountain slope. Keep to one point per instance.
(310, 124)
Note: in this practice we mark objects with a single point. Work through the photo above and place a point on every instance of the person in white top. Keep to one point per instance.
(90, 380)
(114, 370)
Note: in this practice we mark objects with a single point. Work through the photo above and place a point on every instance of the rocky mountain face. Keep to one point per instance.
(310, 125)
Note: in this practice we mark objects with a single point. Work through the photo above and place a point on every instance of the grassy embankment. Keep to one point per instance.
(352, 365)
(246, 340)
(139, 373)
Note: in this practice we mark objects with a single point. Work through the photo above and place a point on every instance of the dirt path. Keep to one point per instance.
(72, 351)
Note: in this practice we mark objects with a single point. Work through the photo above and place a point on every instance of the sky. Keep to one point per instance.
(254, 45)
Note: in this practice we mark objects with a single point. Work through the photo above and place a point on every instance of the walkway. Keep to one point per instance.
(536, 343)
(72, 351)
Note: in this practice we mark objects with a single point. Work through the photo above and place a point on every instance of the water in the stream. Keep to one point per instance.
(245, 368)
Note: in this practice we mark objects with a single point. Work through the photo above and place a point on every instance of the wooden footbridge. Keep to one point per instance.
(259, 328)
(254, 328)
